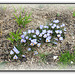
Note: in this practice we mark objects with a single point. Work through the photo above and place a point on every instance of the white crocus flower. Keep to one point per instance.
(37, 32)
(57, 31)
(32, 44)
(49, 37)
(55, 57)
(62, 25)
(57, 27)
(33, 31)
(45, 35)
(15, 57)
(46, 27)
(29, 31)
(29, 49)
(38, 45)
(29, 38)
(55, 43)
(60, 31)
(47, 40)
(24, 33)
(58, 35)
(54, 25)
(26, 37)
(16, 50)
(43, 31)
(65, 29)
(56, 21)
(23, 56)
(50, 24)
(41, 26)
(48, 34)
(11, 52)
(61, 38)
(40, 35)
(34, 36)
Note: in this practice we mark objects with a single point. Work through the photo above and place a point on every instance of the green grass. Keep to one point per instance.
(66, 58)
(58, 14)
(15, 36)
(73, 13)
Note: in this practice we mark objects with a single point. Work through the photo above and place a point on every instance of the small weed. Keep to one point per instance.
(15, 36)
(15, 9)
(23, 20)
(58, 14)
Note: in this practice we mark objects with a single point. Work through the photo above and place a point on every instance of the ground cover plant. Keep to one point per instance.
(31, 39)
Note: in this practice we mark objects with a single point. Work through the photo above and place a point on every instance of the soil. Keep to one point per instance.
(41, 14)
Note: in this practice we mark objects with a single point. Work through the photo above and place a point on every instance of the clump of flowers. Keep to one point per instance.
(50, 33)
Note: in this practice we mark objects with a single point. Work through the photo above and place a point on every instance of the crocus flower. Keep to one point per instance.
(32, 44)
(50, 24)
(15, 57)
(64, 29)
(23, 56)
(60, 31)
(26, 37)
(56, 21)
(49, 37)
(62, 25)
(24, 33)
(47, 40)
(61, 38)
(37, 32)
(23, 41)
(57, 31)
(41, 26)
(45, 35)
(38, 45)
(58, 35)
(29, 49)
(29, 31)
(35, 52)
(55, 57)
(46, 27)
(34, 36)
(53, 27)
(43, 31)
(33, 31)
(22, 36)
(11, 52)
(57, 27)
(40, 35)
(16, 50)
(56, 39)
(29, 38)
(55, 43)
(48, 34)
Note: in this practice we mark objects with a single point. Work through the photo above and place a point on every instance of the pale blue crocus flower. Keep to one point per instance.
(55, 43)
(61, 38)
(11, 52)
(24, 33)
(47, 40)
(22, 36)
(58, 35)
(23, 56)
(57, 26)
(29, 49)
(23, 41)
(29, 31)
(39, 44)
(45, 35)
(49, 37)
(41, 26)
(56, 21)
(16, 50)
(34, 36)
(40, 35)
(50, 24)
(35, 52)
(37, 32)
(26, 37)
(33, 31)
(43, 31)
(15, 57)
